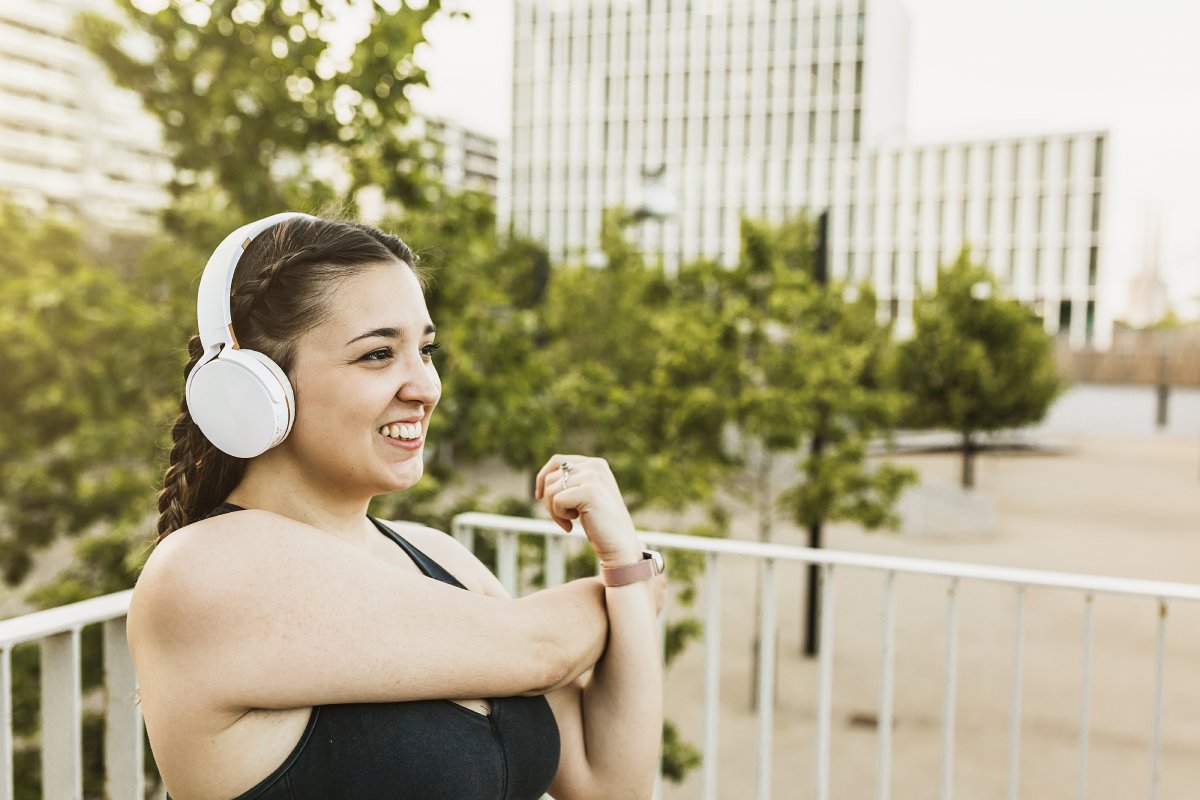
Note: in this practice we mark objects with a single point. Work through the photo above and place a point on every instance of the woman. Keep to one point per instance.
(287, 645)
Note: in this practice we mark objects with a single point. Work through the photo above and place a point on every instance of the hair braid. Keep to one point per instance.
(200, 475)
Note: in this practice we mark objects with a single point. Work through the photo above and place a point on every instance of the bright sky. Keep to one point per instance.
(980, 69)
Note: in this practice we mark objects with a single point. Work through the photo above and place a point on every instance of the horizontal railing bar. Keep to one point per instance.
(39, 624)
(947, 569)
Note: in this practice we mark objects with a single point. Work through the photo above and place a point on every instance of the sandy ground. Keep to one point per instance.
(1127, 506)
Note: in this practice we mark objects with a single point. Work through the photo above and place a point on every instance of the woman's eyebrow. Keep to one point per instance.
(389, 333)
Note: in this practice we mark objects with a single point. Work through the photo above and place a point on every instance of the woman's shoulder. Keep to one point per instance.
(192, 566)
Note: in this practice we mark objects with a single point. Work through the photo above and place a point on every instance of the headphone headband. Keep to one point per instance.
(214, 316)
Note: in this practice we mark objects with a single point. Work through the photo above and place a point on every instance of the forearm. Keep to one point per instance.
(573, 626)
(622, 704)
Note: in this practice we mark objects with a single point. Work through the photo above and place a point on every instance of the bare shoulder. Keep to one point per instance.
(191, 564)
(451, 554)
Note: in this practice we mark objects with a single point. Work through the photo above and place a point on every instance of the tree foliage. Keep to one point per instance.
(81, 390)
(977, 362)
(254, 97)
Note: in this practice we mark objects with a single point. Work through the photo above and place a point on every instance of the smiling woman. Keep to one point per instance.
(301, 648)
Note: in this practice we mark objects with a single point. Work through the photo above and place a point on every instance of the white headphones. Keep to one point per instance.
(240, 399)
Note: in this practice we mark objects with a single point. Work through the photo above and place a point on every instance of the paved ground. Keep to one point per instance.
(1125, 506)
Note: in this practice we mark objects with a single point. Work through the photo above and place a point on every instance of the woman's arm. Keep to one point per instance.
(611, 725)
(601, 756)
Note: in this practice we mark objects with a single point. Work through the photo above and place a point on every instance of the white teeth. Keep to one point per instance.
(402, 430)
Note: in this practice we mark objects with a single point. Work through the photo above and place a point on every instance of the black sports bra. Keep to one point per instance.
(419, 749)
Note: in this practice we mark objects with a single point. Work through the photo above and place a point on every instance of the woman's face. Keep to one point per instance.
(369, 365)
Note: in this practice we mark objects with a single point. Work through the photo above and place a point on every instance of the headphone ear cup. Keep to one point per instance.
(242, 402)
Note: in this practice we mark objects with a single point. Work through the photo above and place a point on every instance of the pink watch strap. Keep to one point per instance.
(650, 566)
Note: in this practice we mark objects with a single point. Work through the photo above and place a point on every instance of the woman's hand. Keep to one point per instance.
(590, 494)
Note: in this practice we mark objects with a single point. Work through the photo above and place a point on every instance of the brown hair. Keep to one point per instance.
(280, 290)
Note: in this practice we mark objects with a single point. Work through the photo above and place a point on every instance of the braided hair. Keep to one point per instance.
(280, 291)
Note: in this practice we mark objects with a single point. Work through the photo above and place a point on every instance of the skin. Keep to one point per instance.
(334, 460)
(324, 475)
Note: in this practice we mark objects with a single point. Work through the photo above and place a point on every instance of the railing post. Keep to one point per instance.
(6, 723)
(1085, 703)
(123, 756)
(950, 694)
(1158, 697)
(62, 722)
(1014, 715)
(712, 673)
(766, 677)
(464, 534)
(886, 686)
(506, 560)
(824, 681)
(555, 566)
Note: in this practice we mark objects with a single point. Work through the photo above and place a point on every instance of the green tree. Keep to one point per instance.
(810, 377)
(253, 96)
(977, 362)
(81, 391)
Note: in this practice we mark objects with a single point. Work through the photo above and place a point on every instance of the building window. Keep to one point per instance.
(1064, 316)
(1098, 163)
(1096, 212)
(1093, 259)
(1016, 163)
(1068, 151)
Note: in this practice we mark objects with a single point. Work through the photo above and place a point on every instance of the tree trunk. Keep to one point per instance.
(812, 615)
(968, 464)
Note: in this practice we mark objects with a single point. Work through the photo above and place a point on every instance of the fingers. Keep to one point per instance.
(564, 505)
(552, 467)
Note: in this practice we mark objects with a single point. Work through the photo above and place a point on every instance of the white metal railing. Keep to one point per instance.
(58, 632)
(830, 564)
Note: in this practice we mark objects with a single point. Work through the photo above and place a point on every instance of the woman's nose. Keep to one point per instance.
(423, 386)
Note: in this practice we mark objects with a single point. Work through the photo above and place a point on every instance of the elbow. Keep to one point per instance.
(555, 665)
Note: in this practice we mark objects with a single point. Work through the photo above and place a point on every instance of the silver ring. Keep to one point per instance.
(564, 481)
(565, 466)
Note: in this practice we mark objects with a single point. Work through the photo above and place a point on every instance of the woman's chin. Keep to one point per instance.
(407, 474)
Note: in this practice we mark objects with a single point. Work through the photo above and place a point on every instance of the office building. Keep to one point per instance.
(768, 107)
(70, 139)
(1031, 209)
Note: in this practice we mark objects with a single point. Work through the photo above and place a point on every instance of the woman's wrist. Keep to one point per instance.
(619, 558)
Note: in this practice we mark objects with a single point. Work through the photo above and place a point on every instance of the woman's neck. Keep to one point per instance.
(269, 488)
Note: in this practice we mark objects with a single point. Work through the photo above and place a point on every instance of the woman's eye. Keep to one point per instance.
(429, 349)
(382, 353)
